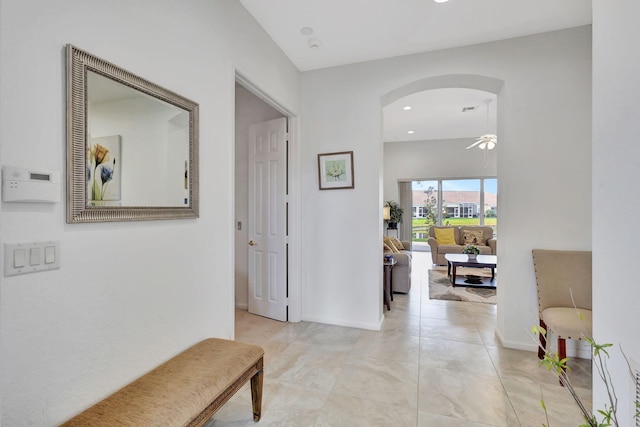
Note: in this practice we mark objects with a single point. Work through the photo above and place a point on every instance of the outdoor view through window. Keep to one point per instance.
(453, 202)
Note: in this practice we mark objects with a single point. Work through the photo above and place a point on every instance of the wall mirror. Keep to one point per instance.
(132, 146)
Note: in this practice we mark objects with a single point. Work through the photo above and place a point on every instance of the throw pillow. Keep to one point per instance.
(473, 237)
(445, 236)
(387, 241)
(397, 243)
(386, 248)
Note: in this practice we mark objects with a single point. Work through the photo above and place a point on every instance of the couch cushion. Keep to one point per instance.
(397, 243)
(488, 231)
(473, 237)
(449, 249)
(387, 241)
(445, 236)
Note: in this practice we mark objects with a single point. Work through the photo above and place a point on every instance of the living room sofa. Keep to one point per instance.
(401, 272)
(487, 243)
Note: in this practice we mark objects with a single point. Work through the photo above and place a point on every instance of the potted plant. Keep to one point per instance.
(395, 214)
(471, 250)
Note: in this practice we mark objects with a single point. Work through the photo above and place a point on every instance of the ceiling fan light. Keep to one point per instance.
(482, 146)
(491, 145)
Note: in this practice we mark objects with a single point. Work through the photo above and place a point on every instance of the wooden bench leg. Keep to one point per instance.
(256, 391)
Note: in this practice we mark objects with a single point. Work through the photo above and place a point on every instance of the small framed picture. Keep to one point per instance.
(335, 170)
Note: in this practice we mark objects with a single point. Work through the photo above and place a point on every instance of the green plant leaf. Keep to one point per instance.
(597, 348)
(535, 330)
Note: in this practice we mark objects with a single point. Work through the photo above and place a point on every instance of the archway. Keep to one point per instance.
(438, 157)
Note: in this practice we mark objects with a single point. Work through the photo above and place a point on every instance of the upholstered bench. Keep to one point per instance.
(184, 391)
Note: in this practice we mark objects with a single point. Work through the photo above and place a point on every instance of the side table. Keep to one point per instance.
(387, 295)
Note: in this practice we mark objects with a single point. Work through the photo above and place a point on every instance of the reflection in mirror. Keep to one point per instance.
(137, 145)
(150, 134)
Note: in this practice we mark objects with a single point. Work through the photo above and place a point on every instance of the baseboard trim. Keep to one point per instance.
(242, 306)
(575, 348)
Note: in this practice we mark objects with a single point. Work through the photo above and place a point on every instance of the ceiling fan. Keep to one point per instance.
(487, 141)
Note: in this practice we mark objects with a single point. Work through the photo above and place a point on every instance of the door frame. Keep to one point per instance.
(294, 257)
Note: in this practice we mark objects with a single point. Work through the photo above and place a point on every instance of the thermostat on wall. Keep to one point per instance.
(27, 185)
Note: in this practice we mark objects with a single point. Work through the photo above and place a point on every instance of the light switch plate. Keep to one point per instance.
(19, 258)
(34, 256)
(31, 257)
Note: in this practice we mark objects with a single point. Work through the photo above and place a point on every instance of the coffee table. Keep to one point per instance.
(462, 260)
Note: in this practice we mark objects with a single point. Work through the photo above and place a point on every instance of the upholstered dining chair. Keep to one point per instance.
(563, 280)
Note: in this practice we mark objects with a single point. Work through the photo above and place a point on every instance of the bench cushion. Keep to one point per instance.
(176, 391)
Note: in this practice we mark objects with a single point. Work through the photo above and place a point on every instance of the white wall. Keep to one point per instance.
(544, 172)
(414, 160)
(616, 133)
(128, 295)
(249, 110)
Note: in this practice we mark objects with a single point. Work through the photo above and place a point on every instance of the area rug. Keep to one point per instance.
(440, 287)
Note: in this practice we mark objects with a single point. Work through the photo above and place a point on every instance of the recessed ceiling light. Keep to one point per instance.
(440, 1)
(410, 131)
(307, 31)
(407, 108)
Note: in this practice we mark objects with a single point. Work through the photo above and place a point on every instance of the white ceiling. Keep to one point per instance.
(437, 114)
(361, 30)
(350, 31)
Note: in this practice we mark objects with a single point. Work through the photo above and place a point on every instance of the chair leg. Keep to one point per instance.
(562, 353)
(562, 348)
(542, 349)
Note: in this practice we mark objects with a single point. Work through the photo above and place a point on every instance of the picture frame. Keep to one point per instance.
(104, 99)
(335, 170)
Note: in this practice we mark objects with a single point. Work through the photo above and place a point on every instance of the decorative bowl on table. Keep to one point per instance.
(473, 280)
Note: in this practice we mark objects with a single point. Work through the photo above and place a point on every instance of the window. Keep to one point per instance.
(461, 202)
(425, 208)
(455, 202)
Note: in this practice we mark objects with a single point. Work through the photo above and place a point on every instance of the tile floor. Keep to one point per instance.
(435, 363)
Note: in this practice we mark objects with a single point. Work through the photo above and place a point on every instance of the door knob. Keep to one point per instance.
(252, 243)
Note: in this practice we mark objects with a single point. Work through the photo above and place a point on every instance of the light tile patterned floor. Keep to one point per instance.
(435, 363)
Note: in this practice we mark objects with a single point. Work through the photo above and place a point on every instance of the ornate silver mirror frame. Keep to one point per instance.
(89, 172)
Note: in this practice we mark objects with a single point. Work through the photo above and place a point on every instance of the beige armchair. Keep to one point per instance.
(563, 280)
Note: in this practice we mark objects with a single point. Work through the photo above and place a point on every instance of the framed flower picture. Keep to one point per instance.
(335, 170)
(104, 164)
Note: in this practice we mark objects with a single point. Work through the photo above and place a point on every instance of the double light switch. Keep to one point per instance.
(21, 258)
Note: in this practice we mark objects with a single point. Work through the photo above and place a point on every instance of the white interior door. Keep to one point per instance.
(267, 219)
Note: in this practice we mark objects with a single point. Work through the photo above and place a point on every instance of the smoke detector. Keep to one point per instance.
(314, 43)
